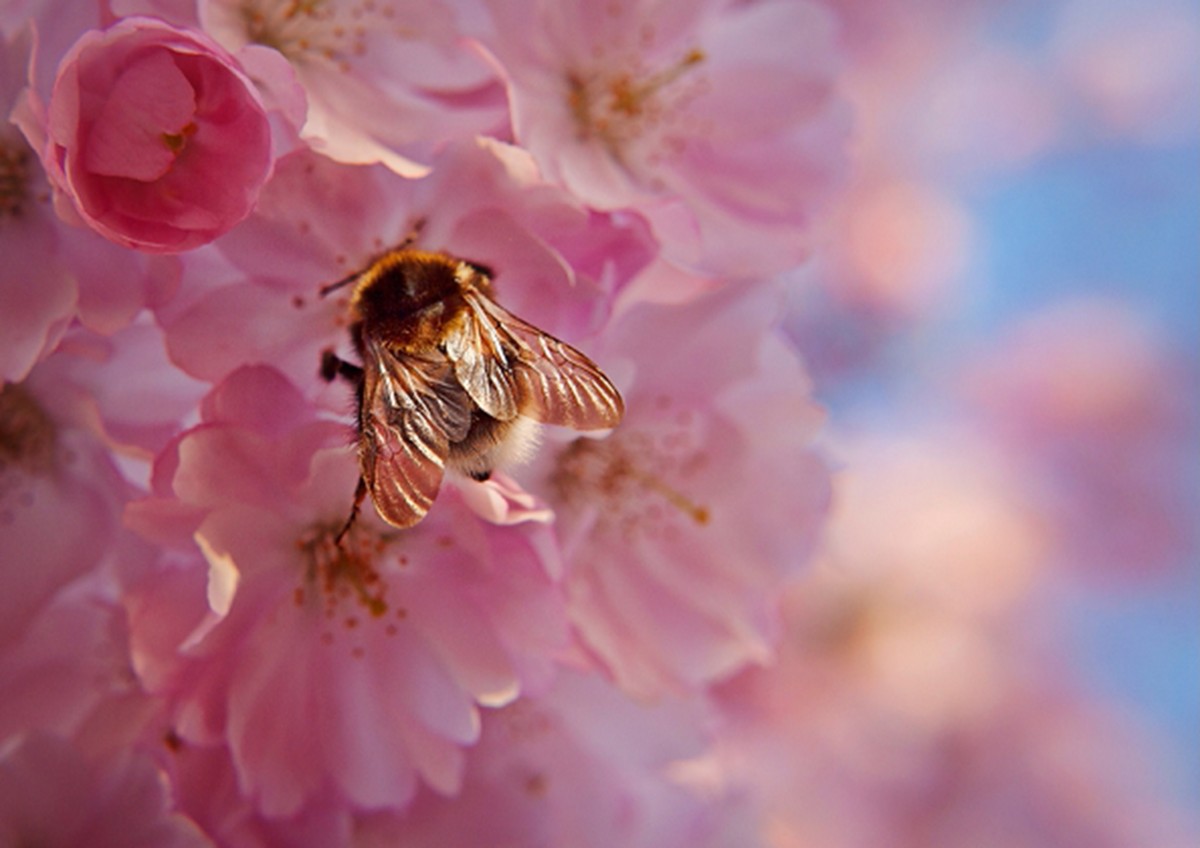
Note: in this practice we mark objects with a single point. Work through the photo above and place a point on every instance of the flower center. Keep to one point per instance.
(14, 177)
(27, 435)
(636, 481)
(318, 30)
(175, 142)
(343, 572)
(618, 108)
(28, 449)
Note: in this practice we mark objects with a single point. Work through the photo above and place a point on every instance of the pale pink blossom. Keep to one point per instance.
(716, 120)
(165, 179)
(385, 82)
(37, 291)
(207, 790)
(61, 495)
(583, 765)
(352, 672)
(137, 416)
(557, 264)
(679, 528)
(55, 795)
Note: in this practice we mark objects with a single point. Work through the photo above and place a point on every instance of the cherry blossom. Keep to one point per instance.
(52, 272)
(1093, 403)
(385, 82)
(808, 591)
(53, 794)
(60, 492)
(912, 703)
(716, 120)
(159, 181)
(672, 568)
(392, 686)
(557, 264)
(582, 740)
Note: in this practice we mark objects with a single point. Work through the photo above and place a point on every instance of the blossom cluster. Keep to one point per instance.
(631, 638)
(187, 178)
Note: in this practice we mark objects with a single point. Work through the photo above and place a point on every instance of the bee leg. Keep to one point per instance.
(360, 494)
(333, 365)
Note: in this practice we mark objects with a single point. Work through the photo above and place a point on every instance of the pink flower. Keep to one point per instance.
(156, 136)
(348, 672)
(1095, 407)
(53, 273)
(60, 492)
(715, 119)
(679, 527)
(37, 291)
(915, 699)
(558, 264)
(582, 765)
(386, 82)
(53, 795)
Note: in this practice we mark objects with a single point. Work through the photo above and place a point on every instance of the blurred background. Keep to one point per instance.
(1004, 320)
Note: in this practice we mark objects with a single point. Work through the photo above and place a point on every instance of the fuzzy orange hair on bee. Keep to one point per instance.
(450, 379)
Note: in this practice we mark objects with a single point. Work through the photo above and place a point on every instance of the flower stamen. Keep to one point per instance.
(608, 471)
(28, 437)
(344, 570)
(307, 30)
(618, 108)
(14, 178)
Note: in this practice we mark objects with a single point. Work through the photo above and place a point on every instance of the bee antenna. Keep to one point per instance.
(345, 281)
(414, 233)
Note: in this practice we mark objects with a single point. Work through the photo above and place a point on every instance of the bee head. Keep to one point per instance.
(402, 282)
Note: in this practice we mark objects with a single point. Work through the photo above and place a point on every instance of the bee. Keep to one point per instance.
(451, 379)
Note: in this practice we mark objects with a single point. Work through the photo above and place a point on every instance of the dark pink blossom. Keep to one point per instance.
(156, 136)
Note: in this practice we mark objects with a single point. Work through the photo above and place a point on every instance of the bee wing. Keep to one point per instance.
(483, 359)
(412, 409)
(532, 373)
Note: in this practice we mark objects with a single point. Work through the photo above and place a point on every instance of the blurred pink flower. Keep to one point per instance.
(337, 671)
(716, 120)
(1134, 65)
(161, 179)
(679, 528)
(68, 671)
(54, 795)
(389, 82)
(1096, 409)
(916, 700)
(60, 492)
(37, 292)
